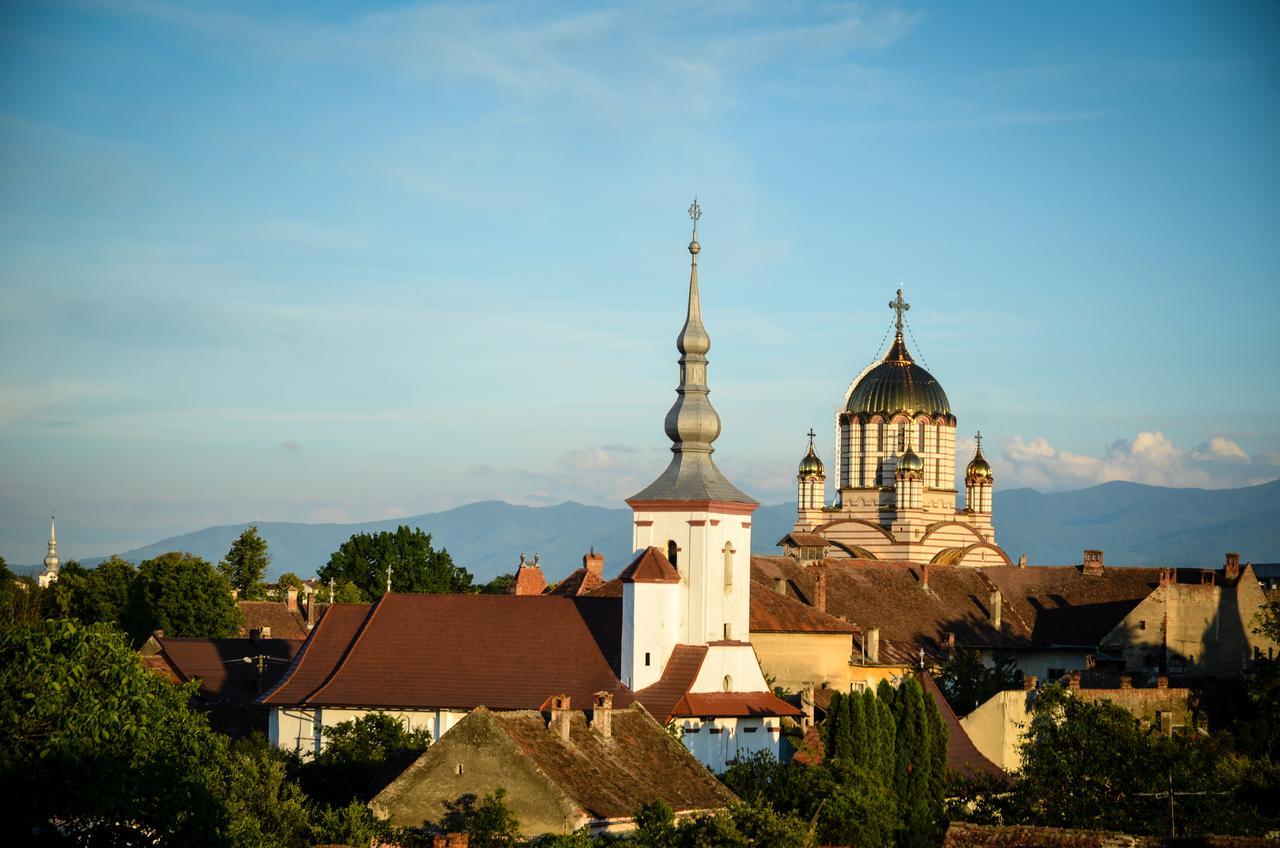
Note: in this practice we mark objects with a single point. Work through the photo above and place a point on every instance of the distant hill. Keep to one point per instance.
(1134, 524)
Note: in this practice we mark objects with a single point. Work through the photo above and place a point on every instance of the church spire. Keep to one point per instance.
(51, 558)
(693, 424)
(898, 353)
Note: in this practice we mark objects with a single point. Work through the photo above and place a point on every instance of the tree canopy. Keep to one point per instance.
(183, 595)
(245, 565)
(416, 566)
(967, 681)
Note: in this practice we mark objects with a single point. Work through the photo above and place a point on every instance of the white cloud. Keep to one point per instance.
(1149, 457)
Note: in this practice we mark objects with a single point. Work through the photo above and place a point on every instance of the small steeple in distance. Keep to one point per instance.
(693, 424)
(50, 573)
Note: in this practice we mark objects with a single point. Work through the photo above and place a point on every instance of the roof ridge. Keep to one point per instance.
(1007, 604)
(351, 649)
(298, 658)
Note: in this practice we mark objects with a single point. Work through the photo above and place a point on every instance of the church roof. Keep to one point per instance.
(219, 664)
(682, 669)
(692, 477)
(458, 652)
(896, 385)
(650, 566)
(284, 622)
(774, 612)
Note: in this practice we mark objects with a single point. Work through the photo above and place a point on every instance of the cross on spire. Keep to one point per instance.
(900, 306)
(695, 212)
(979, 438)
(811, 435)
(388, 578)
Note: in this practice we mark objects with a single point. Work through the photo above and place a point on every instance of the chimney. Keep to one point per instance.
(820, 590)
(806, 706)
(780, 585)
(159, 634)
(602, 714)
(951, 642)
(1162, 682)
(594, 563)
(560, 716)
(311, 608)
(924, 578)
(1232, 567)
(1029, 682)
(995, 609)
(872, 643)
(529, 578)
(265, 631)
(1073, 680)
(1206, 576)
(291, 599)
(1022, 561)
(1167, 576)
(450, 840)
(1126, 681)
(1092, 562)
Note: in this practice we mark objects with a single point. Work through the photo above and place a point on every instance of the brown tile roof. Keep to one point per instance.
(773, 612)
(682, 669)
(529, 581)
(650, 566)
(581, 582)
(284, 622)
(613, 778)
(739, 704)
(219, 665)
(891, 596)
(608, 589)
(460, 651)
(1061, 605)
(963, 757)
(808, 540)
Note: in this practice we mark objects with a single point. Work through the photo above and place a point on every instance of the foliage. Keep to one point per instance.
(266, 807)
(289, 580)
(91, 740)
(246, 564)
(182, 595)
(91, 595)
(363, 559)
(503, 584)
(914, 765)
(488, 822)
(356, 754)
(655, 826)
(967, 681)
(19, 598)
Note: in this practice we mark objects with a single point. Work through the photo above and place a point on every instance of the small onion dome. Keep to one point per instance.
(911, 462)
(811, 466)
(979, 468)
(896, 385)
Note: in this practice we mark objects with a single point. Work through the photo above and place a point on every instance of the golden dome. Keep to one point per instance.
(810, 465)
(896, 385)
(979, 468)
(910, 461)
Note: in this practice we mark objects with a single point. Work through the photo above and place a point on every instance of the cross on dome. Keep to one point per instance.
(811, 435)
(900, 306)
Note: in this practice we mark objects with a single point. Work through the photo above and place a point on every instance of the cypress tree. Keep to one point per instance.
(938, 738)
(913, 767)
(839, 741)
(885, 692)
(858, 735)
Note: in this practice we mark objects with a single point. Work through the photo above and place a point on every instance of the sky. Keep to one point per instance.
(342, 262)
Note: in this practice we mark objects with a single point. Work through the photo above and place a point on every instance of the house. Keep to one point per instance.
(562, 769)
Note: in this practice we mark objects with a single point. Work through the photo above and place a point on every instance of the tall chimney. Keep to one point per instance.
(820, 592)
(602, 714)
(1029, 682)
(1232, 567)
(291, 599)
(311, 607)
(593, 563)
(924, 579)
(995, 609)
(872, 643)
(806, 706)
(780, 585)
(560, 716)
(1092, 561)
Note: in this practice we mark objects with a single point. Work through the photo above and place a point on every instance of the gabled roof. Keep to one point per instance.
(650, 566)
(963, 757)
(219, 664)
(580, 582)
(670, 696)
(682, 669)
(529, 580)
(801, 539)
(1062, 605)
(774, 612)
(596, 778)
(284, 622)
(505, 652)
(733, 704)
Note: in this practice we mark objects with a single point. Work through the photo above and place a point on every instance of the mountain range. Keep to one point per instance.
(1133, 524)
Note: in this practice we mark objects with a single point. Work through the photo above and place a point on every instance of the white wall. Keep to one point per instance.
(736, 737)
(301, 730)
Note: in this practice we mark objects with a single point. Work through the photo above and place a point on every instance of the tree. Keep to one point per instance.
(289, 580)
(839, 733)
(356, 753)
(182, 595)
(20, 598)
(914, 758)
(967, 681)
(415, 566)
(246, 563)
(500, 585)
(100, 749)
(488, 822)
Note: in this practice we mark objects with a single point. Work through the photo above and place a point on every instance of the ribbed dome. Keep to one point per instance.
(811, 466)
(898, 385)
(979, 468)
(911, 461)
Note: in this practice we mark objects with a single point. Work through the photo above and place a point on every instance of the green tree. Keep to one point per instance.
(913, 781)
(488, 822)
(20, 598)
(182, 595)
(245, 565)
(860, 741)
(839, 733)
(655, 826)
(415, 566)
(356, 753)
(967, 681)
(100, 749)
(857, 807)
(500, 585)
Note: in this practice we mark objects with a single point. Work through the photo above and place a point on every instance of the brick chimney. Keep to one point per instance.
(820, 590)
(951, 643)
(529, 578)
(1092, 562)
(602, 714)
(450, 840)
(311, 607)
(1022, 561)
(560, 716)
(1029, 682)
(806, 706)
(1073, 680)
(780, 585)
(594, 564)
(995, 604)
(1162, 682)
(291, 599)
(1167, 577)
(1232, 568)
(924, 577)
(1126, 681)
(872, 643)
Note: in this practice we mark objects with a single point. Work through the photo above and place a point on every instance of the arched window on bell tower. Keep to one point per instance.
(672, 550)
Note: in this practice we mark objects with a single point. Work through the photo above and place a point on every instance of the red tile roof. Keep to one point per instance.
(739, 704)
(963, 757)
(219, 665)
(460, 651)
(529, 581)
(650, 566)
(677, 678)
(773, 612)
(581, 582)
(284, 622)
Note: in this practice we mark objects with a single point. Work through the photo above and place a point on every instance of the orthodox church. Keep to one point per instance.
(49, 575)
(895, 475)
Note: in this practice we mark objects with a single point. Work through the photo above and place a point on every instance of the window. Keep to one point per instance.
(921, 448)
(1055, 673)
(1142, 625)
(728, 631)
(457, 769)
(728, 566)
(646, 658)
(728, 683)
(672, 550)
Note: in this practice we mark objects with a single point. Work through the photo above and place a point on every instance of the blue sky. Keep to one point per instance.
(341, 262)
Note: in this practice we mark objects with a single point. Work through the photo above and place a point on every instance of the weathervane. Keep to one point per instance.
(900, 306)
